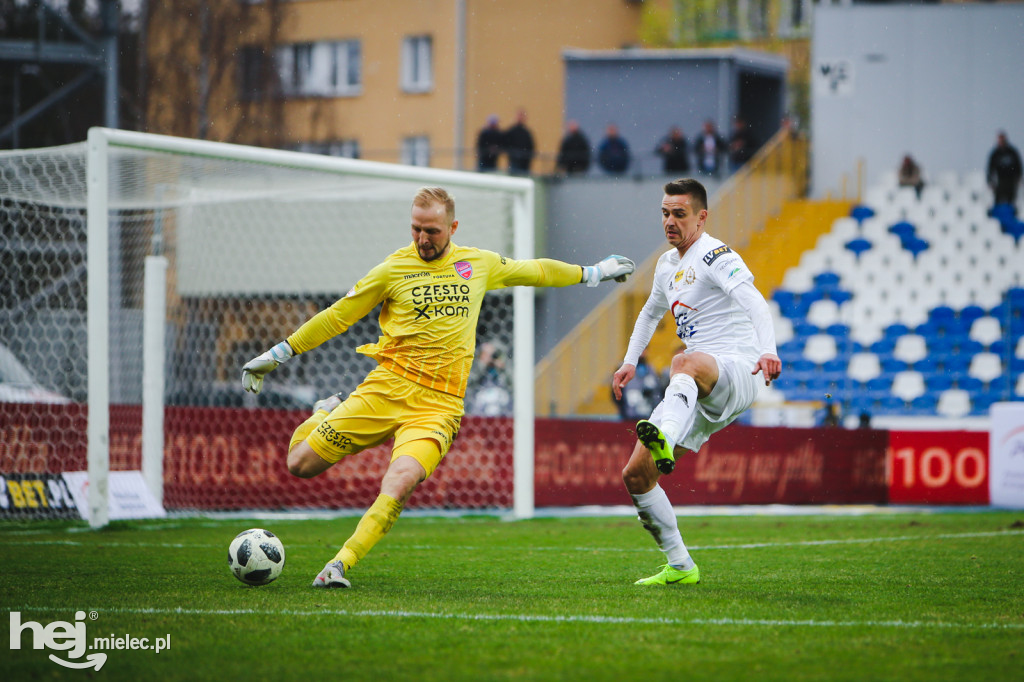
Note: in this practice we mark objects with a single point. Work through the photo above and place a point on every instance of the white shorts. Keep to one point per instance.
(735, 391)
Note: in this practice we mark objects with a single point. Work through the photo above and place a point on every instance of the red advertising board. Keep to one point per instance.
(938, 467)
(227, 458)
(580, 462)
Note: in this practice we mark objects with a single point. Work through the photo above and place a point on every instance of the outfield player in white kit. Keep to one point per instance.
(727, 328)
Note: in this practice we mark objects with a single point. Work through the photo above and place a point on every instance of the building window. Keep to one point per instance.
(348, 149)
(416, 151)
(322, 69)
(417, 64)
(254, 74)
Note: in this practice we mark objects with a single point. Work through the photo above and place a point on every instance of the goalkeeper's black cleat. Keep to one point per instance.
(654, 440)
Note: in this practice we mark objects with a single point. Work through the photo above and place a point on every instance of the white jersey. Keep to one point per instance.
(695, 288)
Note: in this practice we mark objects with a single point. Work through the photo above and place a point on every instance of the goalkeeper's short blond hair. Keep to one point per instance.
(428, 196)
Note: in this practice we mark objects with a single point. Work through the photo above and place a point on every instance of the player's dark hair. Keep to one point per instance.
(698, 194)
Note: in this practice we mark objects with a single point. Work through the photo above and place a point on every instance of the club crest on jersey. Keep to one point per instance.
(713, 254)
(464, 269)
(688, 276)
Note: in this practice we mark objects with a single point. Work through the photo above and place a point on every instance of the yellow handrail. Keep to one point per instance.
(578, 369)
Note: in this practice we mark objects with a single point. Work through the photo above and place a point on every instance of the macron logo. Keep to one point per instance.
(59, 636)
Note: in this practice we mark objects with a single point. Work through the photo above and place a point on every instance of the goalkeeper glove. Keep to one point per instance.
(610, 267)
(253, 371)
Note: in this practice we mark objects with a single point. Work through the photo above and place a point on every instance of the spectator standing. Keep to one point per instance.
(519, 146)
(1004, 170)
(910, 175)
(613, 152)
(574, 151)
(674, 153)
(708, 148)
(488, 146)
(741, 147)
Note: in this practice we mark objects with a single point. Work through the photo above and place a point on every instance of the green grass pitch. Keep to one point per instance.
(884, 596)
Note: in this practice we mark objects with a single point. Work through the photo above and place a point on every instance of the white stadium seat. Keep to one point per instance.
(986, 330)
(954, 403)
(823, 313)
(908, 385)
(910, 347)
(985, 366)
(820, 348)
(863, 367)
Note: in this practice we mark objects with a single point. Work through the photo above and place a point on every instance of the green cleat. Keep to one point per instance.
(669, 575)
(655, 441)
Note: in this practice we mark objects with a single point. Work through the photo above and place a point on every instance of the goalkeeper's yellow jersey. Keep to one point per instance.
(430, 310)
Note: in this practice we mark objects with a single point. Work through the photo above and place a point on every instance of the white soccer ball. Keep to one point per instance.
(256, 556)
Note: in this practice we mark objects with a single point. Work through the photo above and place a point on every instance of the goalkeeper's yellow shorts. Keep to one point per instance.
(387, 405)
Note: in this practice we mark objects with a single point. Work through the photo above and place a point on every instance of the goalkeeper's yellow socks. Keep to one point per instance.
(374, 525)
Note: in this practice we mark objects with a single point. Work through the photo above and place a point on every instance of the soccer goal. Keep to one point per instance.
(141, 271)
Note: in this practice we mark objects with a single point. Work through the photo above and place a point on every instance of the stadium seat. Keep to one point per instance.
(1004, 213)
(858, 245)
(985, 367)
(936, 383)
(954, 403)
(985, 330)
(823, 313)
(891, 365)
(860, 212)
(915, 245)
(845, 228)
(1018, 389)
(902, 229)
(910, 348)
(863, 367)
(896, 330)
(820, 348)
(1015, 229)
(908, 385)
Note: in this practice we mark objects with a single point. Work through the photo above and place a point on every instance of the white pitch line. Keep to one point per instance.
(540, 618)
(472, 548)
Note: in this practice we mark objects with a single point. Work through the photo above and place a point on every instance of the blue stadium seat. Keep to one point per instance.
(861, 212)
(840, 296)
(970, 313)
(1015, 229)
(891, 365)
(970, 384)
(802, 328)
(968, 347)
(926, 366)
(836, 365)
(802, 365)
(858, 246)
(882, 382)
(924, 404)
(790, 303)
(938, 382)
(895, 330)
(883, 346)
(902, 229)
(826, 279)
(942, 314)
(999, 347)
(915, 245)
(1005, 213)
(838, 330)
(1015, 297)
(890, 405)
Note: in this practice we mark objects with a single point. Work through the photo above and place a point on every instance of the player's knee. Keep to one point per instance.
(636, 479)
(302, 466)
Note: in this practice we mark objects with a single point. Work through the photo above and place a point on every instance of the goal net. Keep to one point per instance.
(140, 272)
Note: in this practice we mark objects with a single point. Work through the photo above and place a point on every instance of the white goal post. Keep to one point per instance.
(201, 253)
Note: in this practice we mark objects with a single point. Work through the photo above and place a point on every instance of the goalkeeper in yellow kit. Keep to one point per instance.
(431, 293)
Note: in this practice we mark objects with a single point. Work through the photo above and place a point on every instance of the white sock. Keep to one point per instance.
(656, 514)
(679, 408)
